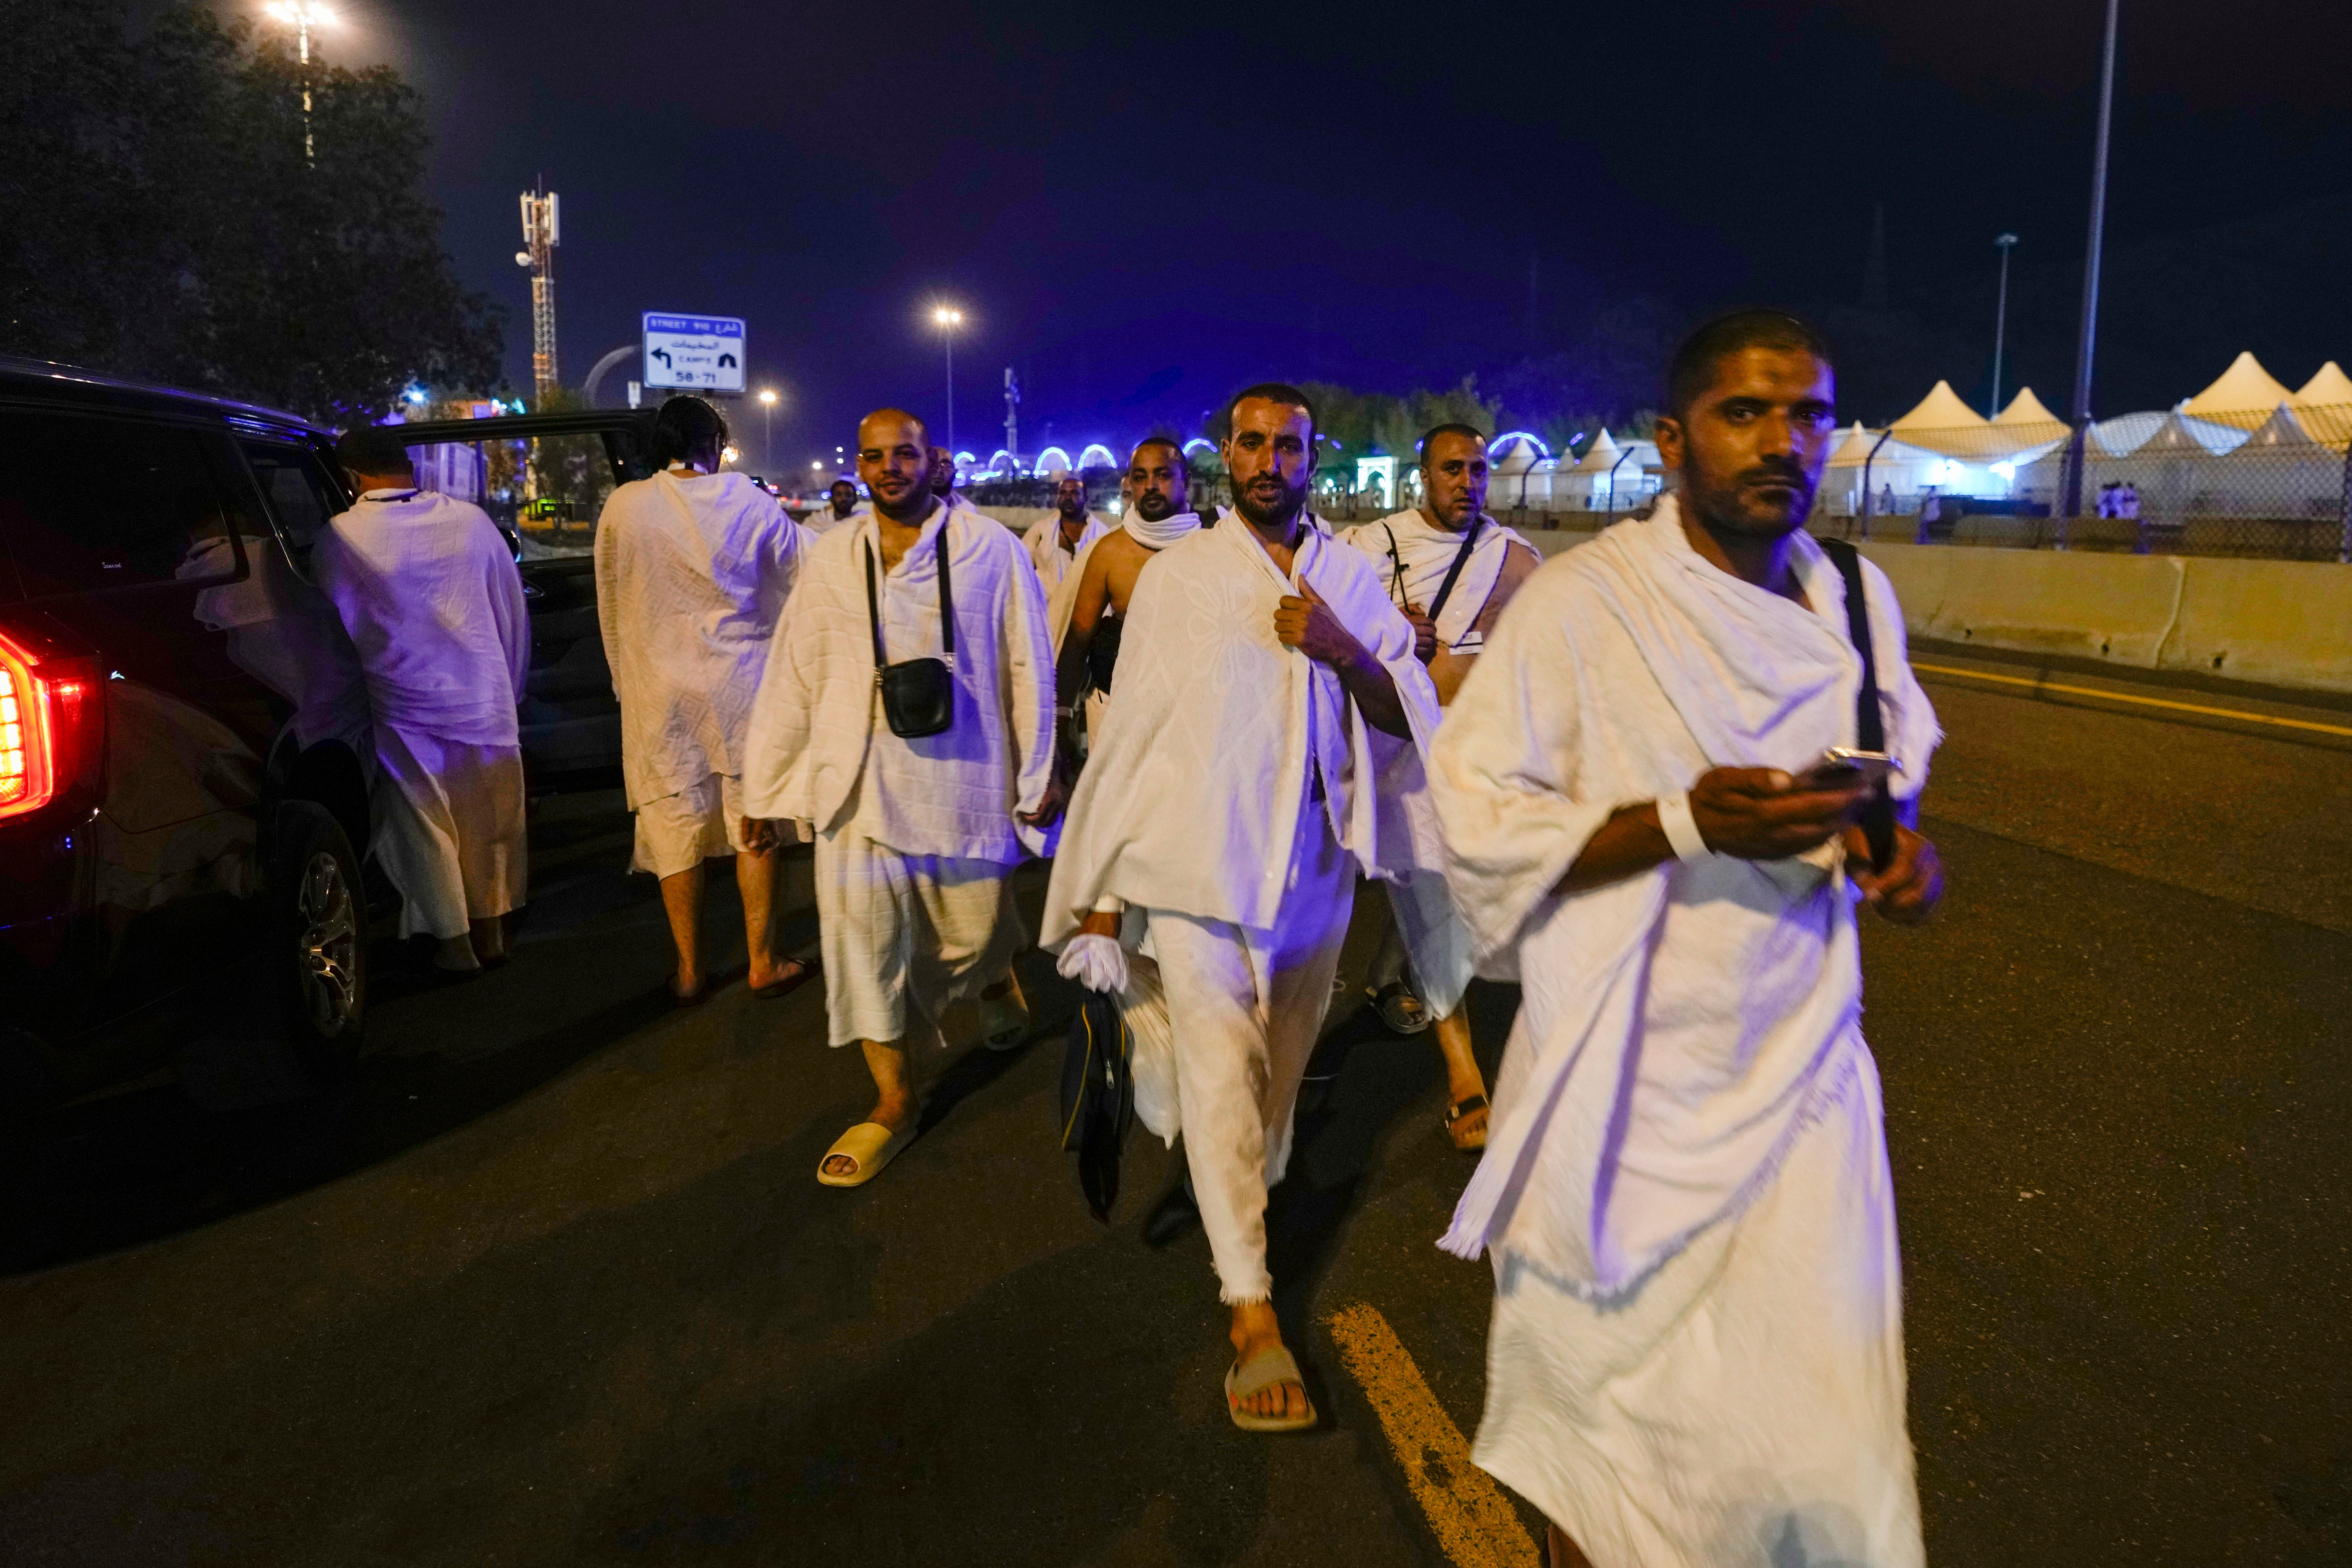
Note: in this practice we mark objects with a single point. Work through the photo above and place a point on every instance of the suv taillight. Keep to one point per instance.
(40, 714)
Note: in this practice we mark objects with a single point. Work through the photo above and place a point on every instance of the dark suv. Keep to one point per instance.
(183, 803)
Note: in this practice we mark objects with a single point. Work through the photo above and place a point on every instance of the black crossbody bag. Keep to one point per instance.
(918, 694)
(1869, 724)
(1453, 572)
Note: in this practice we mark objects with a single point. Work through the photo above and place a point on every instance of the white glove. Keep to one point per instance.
(1097, 963)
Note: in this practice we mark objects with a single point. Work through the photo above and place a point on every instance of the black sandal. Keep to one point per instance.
(1392, 1002)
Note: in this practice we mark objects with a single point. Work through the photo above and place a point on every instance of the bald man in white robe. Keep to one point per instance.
(916, 835)
(427, 589)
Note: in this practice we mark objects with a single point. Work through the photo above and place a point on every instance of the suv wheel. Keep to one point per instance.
(319, 940)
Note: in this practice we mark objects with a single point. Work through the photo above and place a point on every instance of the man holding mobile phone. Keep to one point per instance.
(1697, 1335)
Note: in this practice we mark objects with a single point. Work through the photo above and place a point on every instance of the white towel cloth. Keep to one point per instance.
(691, 576)
(818, 749)
(1681, 1020)
(1062, 597)
(1043, 542)
(428, 591)
(1426, 553)
(1191, 797)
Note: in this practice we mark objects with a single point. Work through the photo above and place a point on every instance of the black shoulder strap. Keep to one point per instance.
(1869, 722)
(1453, 573)
(946, 601)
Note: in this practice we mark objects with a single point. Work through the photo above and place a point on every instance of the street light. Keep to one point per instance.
(302, 15)
(2006, 243)
(767, 439)
(947, 317)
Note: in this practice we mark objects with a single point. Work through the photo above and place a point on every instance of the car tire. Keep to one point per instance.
(317, 958)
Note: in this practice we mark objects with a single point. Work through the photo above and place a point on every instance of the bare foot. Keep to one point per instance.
(891, 1113)
(768, 971)
(1255, 1329)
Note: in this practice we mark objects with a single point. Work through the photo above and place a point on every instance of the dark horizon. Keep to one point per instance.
(1095, 193)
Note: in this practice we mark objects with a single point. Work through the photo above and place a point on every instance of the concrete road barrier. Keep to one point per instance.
(2285, 622)
(2118, 607)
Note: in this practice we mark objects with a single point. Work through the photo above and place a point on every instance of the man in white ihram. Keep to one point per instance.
(1086, 609)
(1220, 820)
(693, 567)
(1452, 569)
(1055, 541)
(428, 591)
(917, 837)
(1696, 1353)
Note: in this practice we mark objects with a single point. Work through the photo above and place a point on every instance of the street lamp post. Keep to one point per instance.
(302, 15)
(947, 317)
(2071, 502)
(768, 434)
(2006, 243)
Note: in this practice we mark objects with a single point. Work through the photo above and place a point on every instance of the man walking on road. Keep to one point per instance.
(1055, 541)
(907, 712)
(1450, 568)
(1085, 609)
(693, 567)
(428, 591)
(1696, 1353)
(1223, 815)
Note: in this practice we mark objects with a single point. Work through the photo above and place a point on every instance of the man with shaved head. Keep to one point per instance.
(1264, 682)
(907, 712)
(1086, 606)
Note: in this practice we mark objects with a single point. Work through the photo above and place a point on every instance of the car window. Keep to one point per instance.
(544, 491)
(301, 497)
(102, 505)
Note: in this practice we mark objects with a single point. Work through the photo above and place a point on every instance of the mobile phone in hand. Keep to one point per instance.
(1843, 767)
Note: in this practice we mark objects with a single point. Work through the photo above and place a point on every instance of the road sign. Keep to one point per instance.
(705, 353)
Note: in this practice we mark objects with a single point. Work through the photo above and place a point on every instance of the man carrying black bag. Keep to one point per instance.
(908, 713)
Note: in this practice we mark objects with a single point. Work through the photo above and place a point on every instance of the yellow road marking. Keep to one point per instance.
(2143, 701)
(1473, 1521)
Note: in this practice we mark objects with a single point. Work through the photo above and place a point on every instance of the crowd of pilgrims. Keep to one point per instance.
(1607, 778)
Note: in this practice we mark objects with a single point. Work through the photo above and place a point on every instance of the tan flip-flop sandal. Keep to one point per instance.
(871, 1145)
(1268, 1368)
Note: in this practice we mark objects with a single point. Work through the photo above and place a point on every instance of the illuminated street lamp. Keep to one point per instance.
(302, 15)
(947, 317)
(768, 437)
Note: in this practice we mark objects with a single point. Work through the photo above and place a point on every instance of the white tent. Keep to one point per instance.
(2327, 387)
(1608, 477)
(2285, 468)
(1898, 470)
(2026, 423)
(1942, 423)
(2243, 396)
(2169, 457)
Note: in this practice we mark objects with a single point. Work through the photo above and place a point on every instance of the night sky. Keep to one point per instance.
(1142, 208)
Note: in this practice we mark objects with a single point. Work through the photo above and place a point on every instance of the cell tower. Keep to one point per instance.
(1012, 416)
(541, 232)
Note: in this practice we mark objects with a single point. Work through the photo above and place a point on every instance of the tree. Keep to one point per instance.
(161, 219)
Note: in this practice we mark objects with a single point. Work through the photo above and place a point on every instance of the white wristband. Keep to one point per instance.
(1682, 827)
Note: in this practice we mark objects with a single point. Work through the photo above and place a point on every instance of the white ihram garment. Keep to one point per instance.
(915, 837)
(1198, 812)
(1696, 1354)
(1062, 600)
(1043, 542)
(428, 591)
(1413, 558)
(691, 576)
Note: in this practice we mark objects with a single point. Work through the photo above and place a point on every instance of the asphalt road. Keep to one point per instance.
(548, 1280)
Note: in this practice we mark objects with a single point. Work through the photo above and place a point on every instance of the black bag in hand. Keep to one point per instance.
(1099, 1098)
(918, 695)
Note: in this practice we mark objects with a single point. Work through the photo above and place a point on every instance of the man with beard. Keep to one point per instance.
(840, 502)
(1262, 679)
(1696, 1353)
(1450, 569)
(1086, 607)
(1055, 541)
(917, 827)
